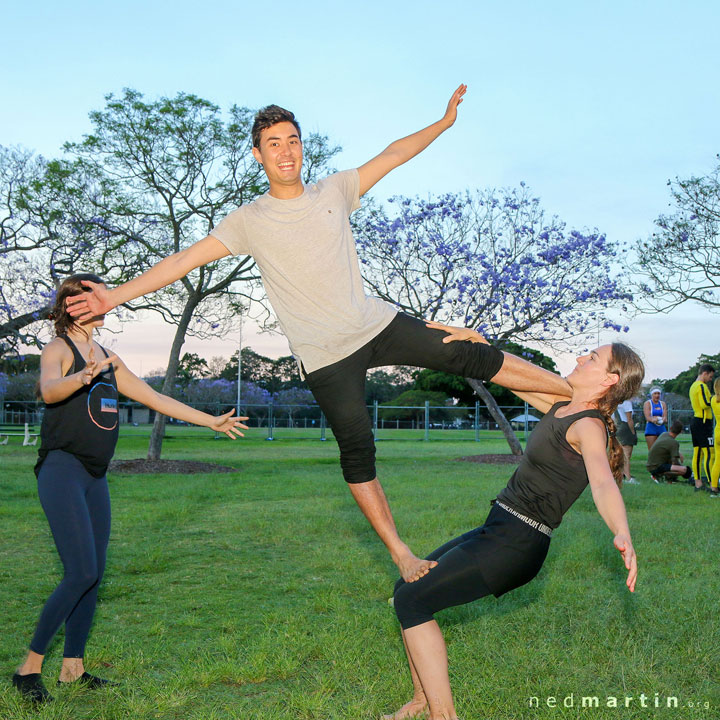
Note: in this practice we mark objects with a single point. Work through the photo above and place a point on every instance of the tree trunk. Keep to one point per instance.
(158, 430)
(497, 414)
(11, 329)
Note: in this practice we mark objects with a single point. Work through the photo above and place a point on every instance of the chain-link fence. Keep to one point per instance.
(308, 421)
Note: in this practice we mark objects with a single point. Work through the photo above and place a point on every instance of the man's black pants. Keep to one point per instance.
(340, 388)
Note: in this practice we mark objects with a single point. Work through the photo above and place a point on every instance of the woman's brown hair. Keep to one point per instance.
(627, 365)
(69, 287)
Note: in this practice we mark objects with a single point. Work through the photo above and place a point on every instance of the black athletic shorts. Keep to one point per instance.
(501, 555)
(701, 432)
(626, 437)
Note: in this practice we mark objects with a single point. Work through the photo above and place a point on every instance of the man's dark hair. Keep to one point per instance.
(677, 427)
(705, 367)
(269, 116)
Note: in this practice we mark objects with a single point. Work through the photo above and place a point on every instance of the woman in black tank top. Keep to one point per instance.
(574, 444)
(79, 382)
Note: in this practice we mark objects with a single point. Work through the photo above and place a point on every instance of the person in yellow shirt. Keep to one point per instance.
(701, 423)
(715, 469)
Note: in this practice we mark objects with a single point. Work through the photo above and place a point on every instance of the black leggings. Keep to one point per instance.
(77, 506)
(503, 554)
(340, 388)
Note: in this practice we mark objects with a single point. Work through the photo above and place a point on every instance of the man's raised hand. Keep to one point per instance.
(90, 304)
(451, 112)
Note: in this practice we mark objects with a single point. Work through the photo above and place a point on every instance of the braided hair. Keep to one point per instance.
(627, 365)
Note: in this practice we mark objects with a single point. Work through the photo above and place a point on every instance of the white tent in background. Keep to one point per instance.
(525, 417)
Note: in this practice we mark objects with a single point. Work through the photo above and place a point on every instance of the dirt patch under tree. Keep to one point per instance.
(142, 466)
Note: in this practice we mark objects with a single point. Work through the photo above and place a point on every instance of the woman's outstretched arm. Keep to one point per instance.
(590, 437)
(131, 385)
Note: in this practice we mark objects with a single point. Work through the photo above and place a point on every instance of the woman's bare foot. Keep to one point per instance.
(417, 707)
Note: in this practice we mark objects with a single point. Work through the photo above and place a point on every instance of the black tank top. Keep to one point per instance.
(551, 476)
(85, 423)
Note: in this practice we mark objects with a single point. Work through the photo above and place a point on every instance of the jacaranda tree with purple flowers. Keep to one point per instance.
(47, 232)
(492, 260)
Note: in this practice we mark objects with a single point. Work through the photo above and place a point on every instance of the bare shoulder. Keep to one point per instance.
(587, 432)
(56, 348)
(56, 359)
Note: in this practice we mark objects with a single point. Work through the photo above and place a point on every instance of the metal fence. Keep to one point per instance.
(310, 421)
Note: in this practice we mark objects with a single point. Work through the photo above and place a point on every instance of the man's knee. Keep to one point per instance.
(358, 464)
(480, 361)
(410, 610)
(357, 448)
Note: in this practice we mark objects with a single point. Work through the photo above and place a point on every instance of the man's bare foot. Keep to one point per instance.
(414, 709)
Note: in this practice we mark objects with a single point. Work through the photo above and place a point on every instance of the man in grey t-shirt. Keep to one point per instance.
(301, 240)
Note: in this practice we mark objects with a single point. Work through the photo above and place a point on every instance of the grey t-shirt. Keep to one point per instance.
(306, 255)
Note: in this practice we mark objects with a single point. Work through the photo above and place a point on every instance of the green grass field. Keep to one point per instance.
(262, 594)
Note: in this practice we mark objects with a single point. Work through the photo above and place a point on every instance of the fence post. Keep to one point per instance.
(526, 421)
(270, 422)
(375, 418)
(427, 420)
(322, 426)
(477, 421)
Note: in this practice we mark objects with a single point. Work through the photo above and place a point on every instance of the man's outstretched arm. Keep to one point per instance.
(408, 147)
(167, 271)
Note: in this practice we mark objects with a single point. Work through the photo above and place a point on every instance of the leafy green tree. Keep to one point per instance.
(680, 384)
(49, 229)
(271, 375)
(22, 386)
(17, 364)
(171, 169)
(284, 376)
(191, 367)
(460, 389)
(412, 404)
(680, 261)
(382, 385)
(253, 366)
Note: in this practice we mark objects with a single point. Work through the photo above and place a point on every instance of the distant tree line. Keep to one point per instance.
(266, 380)
(153, 176)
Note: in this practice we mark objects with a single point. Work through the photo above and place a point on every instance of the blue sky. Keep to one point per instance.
(594, 105)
